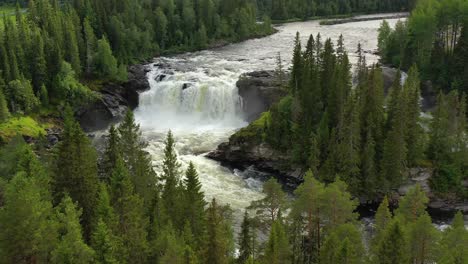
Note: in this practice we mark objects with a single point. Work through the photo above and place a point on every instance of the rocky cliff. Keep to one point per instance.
(259, 90)
(115, 99)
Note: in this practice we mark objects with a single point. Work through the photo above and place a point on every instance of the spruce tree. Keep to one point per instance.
(111, 153)
(39, 64)
(132, 221)
(137, 160)
(104, 244)
(4, 112)
(171, 176)
(277, 250)
(105, 63)
(382, 218)
(393, 248)
(454, 242)
(28, 230)
(415, 137)
(194, 204)
(44, 96)
(90, 42)
(219, 245)
(296, 70)
(246, 240)
(76, 170)
(71, 247)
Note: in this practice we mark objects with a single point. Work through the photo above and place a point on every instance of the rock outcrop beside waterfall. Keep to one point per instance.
(115, 99)
(259, 90)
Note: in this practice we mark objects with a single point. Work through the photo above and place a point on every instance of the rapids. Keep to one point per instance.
(195, 96)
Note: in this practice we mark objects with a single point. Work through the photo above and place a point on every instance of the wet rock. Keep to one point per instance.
(245, 154)
(114, 100)
(160, 77)
(259, 90)
(186, 85)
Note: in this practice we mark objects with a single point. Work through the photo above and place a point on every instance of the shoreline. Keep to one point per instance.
(330, 22)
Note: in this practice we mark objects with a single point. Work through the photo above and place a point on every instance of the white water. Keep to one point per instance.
(208, 111)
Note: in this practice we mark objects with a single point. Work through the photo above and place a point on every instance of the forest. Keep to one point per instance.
(60, 53)
(68, 204)
(435, 39)
(280, 10)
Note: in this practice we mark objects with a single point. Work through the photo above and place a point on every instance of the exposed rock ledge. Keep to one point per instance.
(259, 90)
(114, 101)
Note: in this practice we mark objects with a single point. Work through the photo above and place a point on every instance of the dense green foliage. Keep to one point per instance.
(304, 9)
(435, 38)
(49, 48)
(67, 211)
(366, 139)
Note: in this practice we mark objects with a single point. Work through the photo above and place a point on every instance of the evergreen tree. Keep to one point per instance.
(105, 63)
(39, 64)
(423, 240)
(269, 208)
(412, 205)
(68, 89)
(71, 248)
(136, 158)
(454, 242)
(415, 138)
(343, 245)
(4, 112)
(76, 170)
(171, 247)
(28, 230)
(308, 206)
(393, 248)
(201, 38)
(103, 243)
(194, 204)
(21, 96)
(44, 96)
(383, 218)
(171, 176)
(90, 41)
(132, 222)
(219, 244)
(296, 70)
(277, 248)
(112, 152)
(246, 240)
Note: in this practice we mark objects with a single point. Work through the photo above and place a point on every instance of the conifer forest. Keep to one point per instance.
(234, 131)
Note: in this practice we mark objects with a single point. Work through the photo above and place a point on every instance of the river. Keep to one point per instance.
(195, 96)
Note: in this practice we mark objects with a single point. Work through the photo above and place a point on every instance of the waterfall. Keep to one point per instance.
(200, 99)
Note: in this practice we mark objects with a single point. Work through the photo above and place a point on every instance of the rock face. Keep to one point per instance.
(114, 100)
(241, 153)
(259, 90)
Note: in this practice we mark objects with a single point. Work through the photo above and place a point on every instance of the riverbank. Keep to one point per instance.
(347, 18)
(330, 22)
